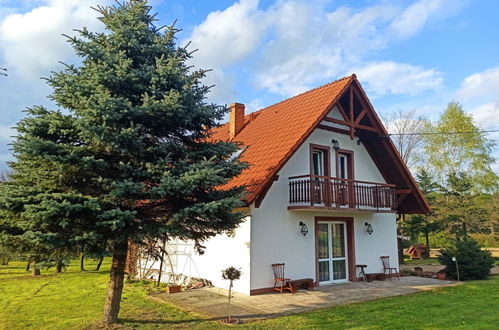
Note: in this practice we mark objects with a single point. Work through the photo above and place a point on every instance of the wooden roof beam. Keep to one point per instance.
(351, 125)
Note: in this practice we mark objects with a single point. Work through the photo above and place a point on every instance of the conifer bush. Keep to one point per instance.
(473, 262)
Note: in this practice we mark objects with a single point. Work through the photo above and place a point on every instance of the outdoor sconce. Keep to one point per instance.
(369, 228)
(304, 228)
(336, 144)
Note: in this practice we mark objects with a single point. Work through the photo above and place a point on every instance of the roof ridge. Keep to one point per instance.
(353, 75)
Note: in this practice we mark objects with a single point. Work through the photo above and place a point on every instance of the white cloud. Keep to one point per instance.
(398, 78)
(293, 45)
(486, 115)
(32, 43)
(223, 86)
(416, 17)
(6, 132)
(480, 85)
(226, 37)
(254, 105)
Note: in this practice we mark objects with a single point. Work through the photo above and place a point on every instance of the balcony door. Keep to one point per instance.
(319, 169)
(332, 256)
(344, 170)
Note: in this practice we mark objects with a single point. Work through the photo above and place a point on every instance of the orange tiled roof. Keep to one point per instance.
(274, 133)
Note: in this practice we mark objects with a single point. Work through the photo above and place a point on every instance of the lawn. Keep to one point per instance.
(74, 300)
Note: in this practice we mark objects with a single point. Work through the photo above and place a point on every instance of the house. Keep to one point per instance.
(324, 189)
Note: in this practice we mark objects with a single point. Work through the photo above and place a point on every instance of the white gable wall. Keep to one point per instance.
(275, 233)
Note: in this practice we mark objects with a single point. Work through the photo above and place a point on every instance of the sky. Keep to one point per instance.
(407, 54)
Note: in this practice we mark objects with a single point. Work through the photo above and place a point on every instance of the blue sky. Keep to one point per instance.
(407, 54)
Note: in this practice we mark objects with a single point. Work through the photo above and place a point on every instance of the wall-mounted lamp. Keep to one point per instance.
(336, 144)
(369, 228)
(303, 228)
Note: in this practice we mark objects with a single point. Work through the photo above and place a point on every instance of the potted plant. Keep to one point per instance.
(173, 288)
(231, 274)
(441, 274)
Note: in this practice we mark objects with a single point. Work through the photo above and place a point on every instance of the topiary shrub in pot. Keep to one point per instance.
(473, 263)
(232, 274)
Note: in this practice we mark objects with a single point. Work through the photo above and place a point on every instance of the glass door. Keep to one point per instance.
(331, 252)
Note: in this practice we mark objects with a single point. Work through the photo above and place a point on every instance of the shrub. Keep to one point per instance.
(473, 263)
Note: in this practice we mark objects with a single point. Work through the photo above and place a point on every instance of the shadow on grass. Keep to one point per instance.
(131, 321)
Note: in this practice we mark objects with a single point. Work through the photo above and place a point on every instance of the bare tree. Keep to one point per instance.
(405, 128)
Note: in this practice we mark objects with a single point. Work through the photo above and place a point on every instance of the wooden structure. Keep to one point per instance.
(392, 271)
(304, 283)
(336, 193)
(416, 251)
(362, 272)
(281, 283)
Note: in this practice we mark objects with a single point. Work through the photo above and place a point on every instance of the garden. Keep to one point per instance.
(73, 300)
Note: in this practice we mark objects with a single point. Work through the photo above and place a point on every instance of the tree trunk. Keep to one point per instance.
(28, 265)
(36, 270)
(400, 247)
(427, 252)
(115, 288)
(230, 296)
(82, 262)
(465, 231)
(99, 263)
(59, 267)
(162, 258)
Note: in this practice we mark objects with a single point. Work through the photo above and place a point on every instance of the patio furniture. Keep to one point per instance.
(392, 271)
(376, 277)
(362, 272)
(304, 283)
(280, 279)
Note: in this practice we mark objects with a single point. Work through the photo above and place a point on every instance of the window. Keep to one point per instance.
(318, 162)
(343, 166)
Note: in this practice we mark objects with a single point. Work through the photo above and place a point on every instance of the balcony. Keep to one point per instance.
(321, 192)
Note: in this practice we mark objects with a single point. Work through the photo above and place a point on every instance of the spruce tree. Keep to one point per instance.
(126, 155)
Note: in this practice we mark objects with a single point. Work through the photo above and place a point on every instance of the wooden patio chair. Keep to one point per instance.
(280, 279)
(392, 271)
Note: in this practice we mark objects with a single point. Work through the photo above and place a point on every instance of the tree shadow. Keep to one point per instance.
(132, 321)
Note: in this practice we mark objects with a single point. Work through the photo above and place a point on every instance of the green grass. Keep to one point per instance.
(75, 300)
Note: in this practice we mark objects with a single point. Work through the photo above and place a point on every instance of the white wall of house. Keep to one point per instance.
(275, 233)
(221, 252)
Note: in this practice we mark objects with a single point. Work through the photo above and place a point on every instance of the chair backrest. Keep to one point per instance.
(386, 261)
(278, 270)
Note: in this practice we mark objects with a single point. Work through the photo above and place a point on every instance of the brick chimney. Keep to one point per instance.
(236, 119)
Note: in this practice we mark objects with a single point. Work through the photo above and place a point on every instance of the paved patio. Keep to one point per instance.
(212, 302)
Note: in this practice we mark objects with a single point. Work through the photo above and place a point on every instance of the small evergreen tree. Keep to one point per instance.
(127, 156)
(473, 263)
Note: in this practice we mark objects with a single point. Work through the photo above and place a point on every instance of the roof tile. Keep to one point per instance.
(274, 133)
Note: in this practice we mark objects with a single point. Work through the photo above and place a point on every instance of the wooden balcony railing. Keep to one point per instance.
(322, 191)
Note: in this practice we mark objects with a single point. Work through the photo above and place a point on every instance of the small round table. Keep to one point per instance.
(362, 272)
